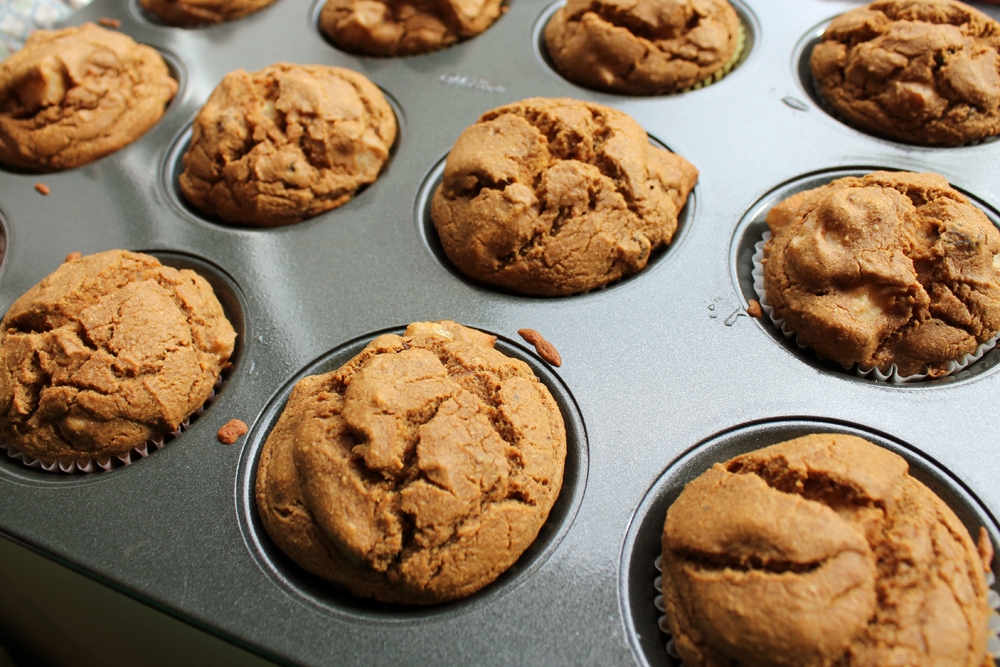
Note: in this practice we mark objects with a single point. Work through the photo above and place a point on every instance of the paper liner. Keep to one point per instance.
(741, 40)
(857, 369)
(93, 465)
(992, 598)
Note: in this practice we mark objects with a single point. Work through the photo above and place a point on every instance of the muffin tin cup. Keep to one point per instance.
(744, 44)
(99, 464)
(330, 599)
(811, 86)
(992, 643)
(640, 583)
(892, 376)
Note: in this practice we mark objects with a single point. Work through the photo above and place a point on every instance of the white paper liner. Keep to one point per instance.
(857, 369)
(992, 599)
(93, 465)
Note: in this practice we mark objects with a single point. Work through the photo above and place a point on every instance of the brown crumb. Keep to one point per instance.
(42, 188)
(753, 309)
(985, 549)
(232, 431)
(109, 23)
(544, 348)
(73, 255)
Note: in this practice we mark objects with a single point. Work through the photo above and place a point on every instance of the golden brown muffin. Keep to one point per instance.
(286, 143)
(920, 71)
(818, 551)
(107, 352)
(643, 48)
(74, 95)
(416, 473)
(892, 268)
(185, 13)
(557, 196)
(400, 28)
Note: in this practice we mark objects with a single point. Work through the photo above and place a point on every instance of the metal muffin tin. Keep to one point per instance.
(663, 372)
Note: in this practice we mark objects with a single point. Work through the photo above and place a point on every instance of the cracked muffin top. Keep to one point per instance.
(286, 143)
(107, 352)
(416, 473)
(920, 71)
(186, 13)
(651, 47)
(822, 550)
(892, 268)
(399, 28)
(74, 95)
(557, 196)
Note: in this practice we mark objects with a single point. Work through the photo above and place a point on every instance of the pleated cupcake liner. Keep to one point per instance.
(992, 599)
(100, 464)
(858, 370)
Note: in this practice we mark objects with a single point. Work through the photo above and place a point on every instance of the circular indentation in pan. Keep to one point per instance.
(319, 594)
(751, 29)
(173, 166)
(428, 234)
(317, 10)
(234, 306)
(643, 540)
(177, 72)
(800, 63)
(750, 232)
(140, 14)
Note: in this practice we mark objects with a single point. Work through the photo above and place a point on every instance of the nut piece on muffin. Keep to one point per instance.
(557, 196)
(188, 13)
(107, 352)
(74, 95)
(822, 550)
(652, 47)
(920, 71)
(286, 143)
(399, 28)
(892, 268)
(416, 473)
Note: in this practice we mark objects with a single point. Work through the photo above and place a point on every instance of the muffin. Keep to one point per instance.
(416, 473)
(286, 143)
(557, 196)
(398, 28)
(889, 269)
(74, 95)
(107, 352)
(921, 71)
(644, 48)
(822, 550)
(187, 13)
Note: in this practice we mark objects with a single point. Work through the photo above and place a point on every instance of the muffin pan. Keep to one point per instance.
(663, 373)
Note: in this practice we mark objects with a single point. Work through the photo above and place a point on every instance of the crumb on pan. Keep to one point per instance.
(753, 308)
(42, 188)
(545, 349)
(109, 23)
(232, 431)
